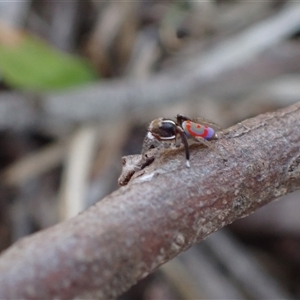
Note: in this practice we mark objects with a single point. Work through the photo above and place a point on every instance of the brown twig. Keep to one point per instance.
(161, 212)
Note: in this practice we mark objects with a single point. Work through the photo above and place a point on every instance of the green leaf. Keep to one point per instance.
(30, 64)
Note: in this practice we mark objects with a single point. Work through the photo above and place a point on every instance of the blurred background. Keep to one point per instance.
(81, 80)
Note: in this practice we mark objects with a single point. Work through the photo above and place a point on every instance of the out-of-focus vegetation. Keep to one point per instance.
(28, 63)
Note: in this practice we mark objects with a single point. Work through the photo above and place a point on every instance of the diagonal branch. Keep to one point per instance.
(162, 211)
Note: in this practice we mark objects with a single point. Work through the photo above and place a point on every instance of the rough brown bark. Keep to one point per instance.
(161, 212)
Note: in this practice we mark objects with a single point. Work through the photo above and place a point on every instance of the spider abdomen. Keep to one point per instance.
(193, 129)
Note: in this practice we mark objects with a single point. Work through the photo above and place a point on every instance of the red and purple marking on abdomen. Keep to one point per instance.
(193, 129)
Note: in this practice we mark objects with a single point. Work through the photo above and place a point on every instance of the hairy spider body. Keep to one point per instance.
(167, 130)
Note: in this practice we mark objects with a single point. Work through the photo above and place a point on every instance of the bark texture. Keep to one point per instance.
(163, 210)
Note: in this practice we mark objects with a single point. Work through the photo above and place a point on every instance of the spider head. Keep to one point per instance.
(163, 129)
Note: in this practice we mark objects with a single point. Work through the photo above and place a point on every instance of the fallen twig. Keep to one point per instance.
(163, 210)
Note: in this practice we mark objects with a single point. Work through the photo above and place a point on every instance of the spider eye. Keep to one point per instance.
(163, 129)
(167, 130)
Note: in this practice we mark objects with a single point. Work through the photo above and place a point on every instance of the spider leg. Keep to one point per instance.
(205, 142)
(177, 141)
(186, 145)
